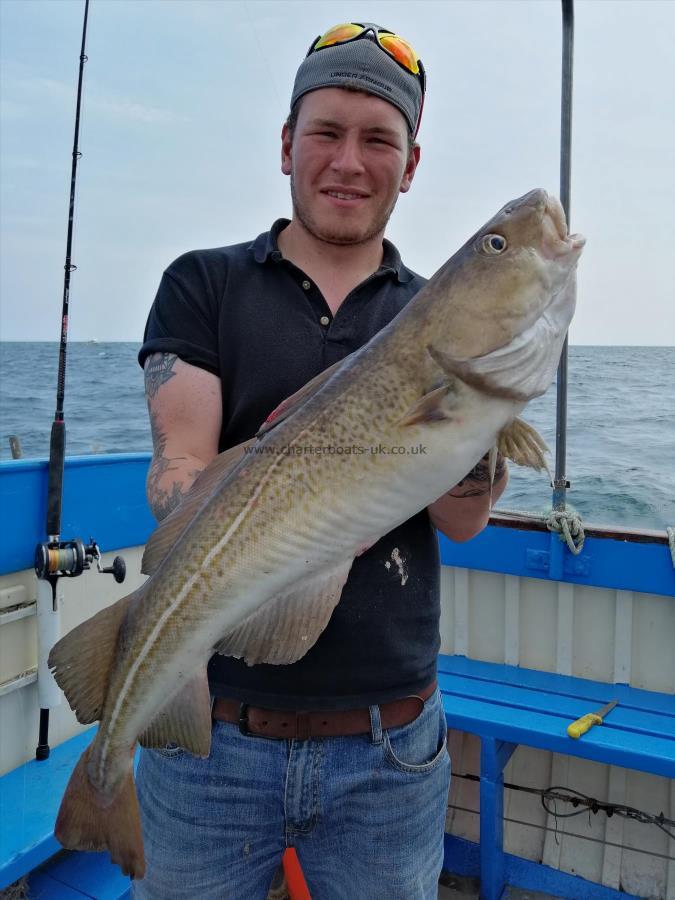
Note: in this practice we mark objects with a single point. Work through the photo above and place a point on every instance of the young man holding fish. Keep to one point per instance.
(341, 754)
(280, 661)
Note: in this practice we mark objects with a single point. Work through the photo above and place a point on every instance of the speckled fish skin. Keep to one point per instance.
(290, 519)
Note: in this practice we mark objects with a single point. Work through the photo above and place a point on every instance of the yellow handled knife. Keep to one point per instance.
(585, 723)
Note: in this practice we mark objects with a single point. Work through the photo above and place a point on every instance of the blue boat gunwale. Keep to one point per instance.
(41, 463)
(498, 518)
(104, 496)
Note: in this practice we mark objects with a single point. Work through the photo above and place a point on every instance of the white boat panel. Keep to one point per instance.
(581, 844)
(645, 863)
(555, 828)
(538, 624)
(611, 863)
(463, 802)
(12, 596)
(623, 637)
(653, 657)
(461, 604)
(19, 709)
(487, 616)
(529, 771)
(18, 647)
(565, 629)
(512, 620)
(594, 632)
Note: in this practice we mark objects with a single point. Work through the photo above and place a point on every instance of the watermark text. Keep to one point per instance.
(336, 450)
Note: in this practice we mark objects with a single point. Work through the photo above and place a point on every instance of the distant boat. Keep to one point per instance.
(92, 341)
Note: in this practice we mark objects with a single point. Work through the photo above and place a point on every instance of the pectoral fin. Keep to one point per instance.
(285, 628)
(523, 445)
(432, 407)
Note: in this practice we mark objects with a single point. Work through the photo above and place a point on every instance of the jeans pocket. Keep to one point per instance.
(421, 746)
(171, 750)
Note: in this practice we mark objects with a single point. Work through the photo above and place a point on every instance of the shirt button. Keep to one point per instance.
(306, 285)
(324, 320)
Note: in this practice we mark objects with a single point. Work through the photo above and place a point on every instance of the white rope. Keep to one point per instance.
(522, 513)
(567, 524)
(670, 531)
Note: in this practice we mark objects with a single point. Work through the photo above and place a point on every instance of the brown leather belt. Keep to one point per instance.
(299, 724)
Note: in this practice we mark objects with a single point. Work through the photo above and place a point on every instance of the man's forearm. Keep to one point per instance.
(465, 510)
(169, 477)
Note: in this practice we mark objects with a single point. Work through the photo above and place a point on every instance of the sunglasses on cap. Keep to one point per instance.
(393, 45)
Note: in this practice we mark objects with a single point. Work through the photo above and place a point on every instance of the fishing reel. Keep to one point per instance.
(70, 558)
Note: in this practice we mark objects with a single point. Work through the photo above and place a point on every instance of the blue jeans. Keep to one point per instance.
(365, 813)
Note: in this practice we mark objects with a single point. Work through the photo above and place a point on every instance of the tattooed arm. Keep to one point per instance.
(464, 511)
(185, 407)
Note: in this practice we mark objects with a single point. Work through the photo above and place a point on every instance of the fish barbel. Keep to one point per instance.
(254, 560)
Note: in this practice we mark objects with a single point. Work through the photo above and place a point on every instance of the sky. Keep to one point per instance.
(182, 110)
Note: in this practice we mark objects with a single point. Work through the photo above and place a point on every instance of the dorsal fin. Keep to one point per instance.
(288, 406)
(170, 529)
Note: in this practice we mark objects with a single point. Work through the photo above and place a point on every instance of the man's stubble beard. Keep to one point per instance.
(312, 226)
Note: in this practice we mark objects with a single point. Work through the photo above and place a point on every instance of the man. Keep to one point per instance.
(233, 332)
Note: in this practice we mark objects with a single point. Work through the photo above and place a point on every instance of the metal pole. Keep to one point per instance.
(560, 483)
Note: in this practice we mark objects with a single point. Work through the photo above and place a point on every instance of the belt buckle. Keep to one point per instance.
(243, 722)
(245, 730)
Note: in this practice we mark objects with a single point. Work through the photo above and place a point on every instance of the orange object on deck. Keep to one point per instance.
(295, 880)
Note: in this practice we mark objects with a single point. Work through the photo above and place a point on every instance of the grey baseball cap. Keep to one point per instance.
(361, 63)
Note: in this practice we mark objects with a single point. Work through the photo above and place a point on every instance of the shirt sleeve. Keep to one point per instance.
(183, 318)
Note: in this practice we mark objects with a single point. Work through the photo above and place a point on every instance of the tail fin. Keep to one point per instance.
(86, 822)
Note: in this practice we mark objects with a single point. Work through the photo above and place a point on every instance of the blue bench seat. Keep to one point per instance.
(29, 800)
(507, 706)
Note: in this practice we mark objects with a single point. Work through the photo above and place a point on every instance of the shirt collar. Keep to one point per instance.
(265, 247)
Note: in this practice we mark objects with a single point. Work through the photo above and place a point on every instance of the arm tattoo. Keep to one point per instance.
(162, 501)
(158, 371)
(477, 482)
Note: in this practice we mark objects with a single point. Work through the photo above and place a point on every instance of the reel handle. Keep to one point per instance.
(118, 569)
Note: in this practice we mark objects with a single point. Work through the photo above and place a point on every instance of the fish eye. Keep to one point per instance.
(494, 244)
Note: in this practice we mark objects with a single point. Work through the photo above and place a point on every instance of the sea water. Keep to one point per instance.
(620, 422)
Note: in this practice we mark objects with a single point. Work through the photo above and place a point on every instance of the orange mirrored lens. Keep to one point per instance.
(400, 50)
(337, 34)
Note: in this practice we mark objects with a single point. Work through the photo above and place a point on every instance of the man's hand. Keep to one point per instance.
(465, 510)
(185, 407)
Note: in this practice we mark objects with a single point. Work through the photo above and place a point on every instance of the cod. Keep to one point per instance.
(253, 563)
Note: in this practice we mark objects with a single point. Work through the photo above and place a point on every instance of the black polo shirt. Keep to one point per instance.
(262, 326)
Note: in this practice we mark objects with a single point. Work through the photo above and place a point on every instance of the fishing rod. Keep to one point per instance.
(56, 558)
(560, 482)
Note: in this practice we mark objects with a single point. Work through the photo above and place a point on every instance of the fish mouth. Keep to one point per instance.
(557, 241)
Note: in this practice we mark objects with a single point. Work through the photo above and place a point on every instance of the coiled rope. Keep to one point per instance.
(568, 525)
(670, 531)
